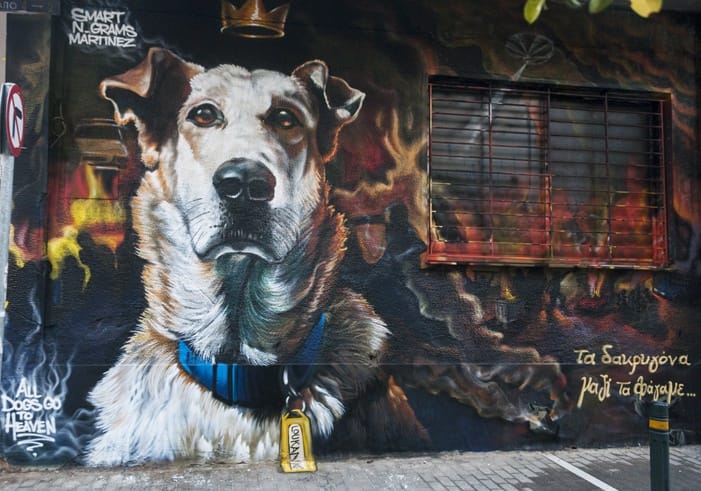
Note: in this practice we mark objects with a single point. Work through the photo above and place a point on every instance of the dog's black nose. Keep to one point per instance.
(241, 179)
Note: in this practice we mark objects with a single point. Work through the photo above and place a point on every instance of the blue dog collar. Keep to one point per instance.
(252, 385)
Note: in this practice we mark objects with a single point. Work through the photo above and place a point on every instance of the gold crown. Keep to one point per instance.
(251, 20)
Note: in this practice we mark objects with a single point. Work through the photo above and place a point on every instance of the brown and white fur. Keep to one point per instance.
(241, 268)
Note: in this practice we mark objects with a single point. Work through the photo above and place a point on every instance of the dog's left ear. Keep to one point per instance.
(339, 103)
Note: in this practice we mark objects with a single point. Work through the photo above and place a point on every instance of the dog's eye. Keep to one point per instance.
(205, 116)
(283, 119)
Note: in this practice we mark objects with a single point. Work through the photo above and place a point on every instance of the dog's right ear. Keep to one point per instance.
(339, 103)
(151, 94)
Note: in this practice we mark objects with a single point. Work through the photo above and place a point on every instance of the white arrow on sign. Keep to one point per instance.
(17, 119)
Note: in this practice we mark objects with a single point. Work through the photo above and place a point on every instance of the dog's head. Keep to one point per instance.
(241, 154)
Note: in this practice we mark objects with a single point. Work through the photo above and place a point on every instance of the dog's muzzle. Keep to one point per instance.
(246, 189)
(242, 180)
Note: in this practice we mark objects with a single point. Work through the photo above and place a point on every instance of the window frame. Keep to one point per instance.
(455, 252)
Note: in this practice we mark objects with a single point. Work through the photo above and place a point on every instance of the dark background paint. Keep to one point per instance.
(388, 50)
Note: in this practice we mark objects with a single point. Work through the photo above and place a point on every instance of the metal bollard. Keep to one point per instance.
(658, 414)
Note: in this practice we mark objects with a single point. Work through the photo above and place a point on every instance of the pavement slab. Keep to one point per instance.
(608, 469)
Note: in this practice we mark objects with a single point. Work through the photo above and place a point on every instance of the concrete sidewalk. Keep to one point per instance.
(625, 468)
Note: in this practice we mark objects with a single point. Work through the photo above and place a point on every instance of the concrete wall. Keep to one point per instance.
(157, 293)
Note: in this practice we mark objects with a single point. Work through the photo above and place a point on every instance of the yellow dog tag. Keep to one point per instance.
(296, 443)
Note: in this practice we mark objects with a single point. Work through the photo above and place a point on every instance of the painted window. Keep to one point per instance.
(546, 175)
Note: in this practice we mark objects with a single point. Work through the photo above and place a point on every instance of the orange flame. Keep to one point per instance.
(404, 184)
(97, 211)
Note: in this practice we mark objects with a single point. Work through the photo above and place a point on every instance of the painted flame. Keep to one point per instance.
(16, 250)
(404, 183)
(101, 215)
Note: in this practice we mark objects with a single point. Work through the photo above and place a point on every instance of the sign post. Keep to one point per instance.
(11, 140)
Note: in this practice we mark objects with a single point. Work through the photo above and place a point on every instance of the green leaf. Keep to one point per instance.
(532, 10)
(596, 6)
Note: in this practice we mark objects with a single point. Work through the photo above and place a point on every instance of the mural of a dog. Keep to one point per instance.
(241, 249)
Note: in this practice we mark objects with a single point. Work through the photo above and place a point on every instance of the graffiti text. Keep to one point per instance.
(651, 362)
(101, 28)
(604, 386)
(25, 415)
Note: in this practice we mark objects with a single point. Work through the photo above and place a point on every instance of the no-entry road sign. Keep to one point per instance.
(13, 118)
